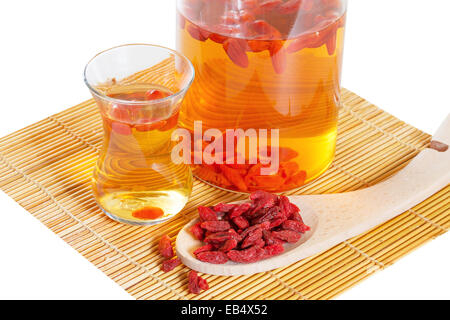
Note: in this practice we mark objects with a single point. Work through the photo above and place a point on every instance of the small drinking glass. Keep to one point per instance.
(139, 89)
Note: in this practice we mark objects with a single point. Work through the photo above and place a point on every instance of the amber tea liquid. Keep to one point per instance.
(135, 178)
(262, 70)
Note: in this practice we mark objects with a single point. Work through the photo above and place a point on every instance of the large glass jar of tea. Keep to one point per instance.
(271, 68)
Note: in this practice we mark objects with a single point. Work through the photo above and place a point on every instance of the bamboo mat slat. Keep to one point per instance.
(46, 168)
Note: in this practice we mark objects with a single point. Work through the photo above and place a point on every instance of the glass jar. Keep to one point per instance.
(264, 65)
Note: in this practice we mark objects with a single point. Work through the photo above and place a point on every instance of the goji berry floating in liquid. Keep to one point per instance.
(265, 64)
(271, 221)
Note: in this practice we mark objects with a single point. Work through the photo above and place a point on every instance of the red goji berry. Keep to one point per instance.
(169, 265)
(203, 284)
(207, 214)
(193, 284)
(229, 245)
(235, 50)
(170, 123)
(197, 231)
(218, 237)
(121, 128)
(239, 210)
(224, 207)
(294, 226)
(278, 55)
(273, 250)
(252, 238)
(165, 247)
(287, 235)
(154, 94)
(208, 247)
(234, 177)
(241, 222)
(214, 257)
(216, 226)
(197, 33)
(149, 213)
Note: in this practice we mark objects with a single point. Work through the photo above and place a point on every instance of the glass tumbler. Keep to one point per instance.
(139, 89)
(265, 65)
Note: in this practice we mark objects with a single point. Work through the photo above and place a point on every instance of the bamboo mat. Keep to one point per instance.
(46, 168)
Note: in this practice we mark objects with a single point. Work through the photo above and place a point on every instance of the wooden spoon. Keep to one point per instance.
(334, 218)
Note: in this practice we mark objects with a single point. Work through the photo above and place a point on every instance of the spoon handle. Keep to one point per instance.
(343, 216)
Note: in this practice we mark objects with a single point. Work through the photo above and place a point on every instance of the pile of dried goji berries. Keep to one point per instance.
(196, 283)
(247, 232)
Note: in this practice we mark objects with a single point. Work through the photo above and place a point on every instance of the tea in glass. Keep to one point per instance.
(135, 180)
(265, 65)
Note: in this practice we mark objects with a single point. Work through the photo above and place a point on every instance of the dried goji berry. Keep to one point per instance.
(288, 169)
(207, 214)
(249, 255)
(241, 222)
(154, 94)
(258, 45)
(214, 257)
(269, 182)
(236, 51)
(234, 177)
(165, 247)
(264, 29)
(287, 235)
(217, 38)
(193, 284)
(229, 245)
(278, 55)
(224, 207)
(297, 179)
(216, 226)
(260, 243)
(269, 215)
(252, 238)
(294, 226)
(170, 123)
(121, 128)
(269, 239)
(203, 284)
(273, 250)
(149, 213)
(276, 222)
(169, 265)
(196, 33)
(264, 199)
(208, 247)
(197, 231)
(239, 210)
(218, 237)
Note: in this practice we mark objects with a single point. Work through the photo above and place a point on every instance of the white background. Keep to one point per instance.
(396, 56)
